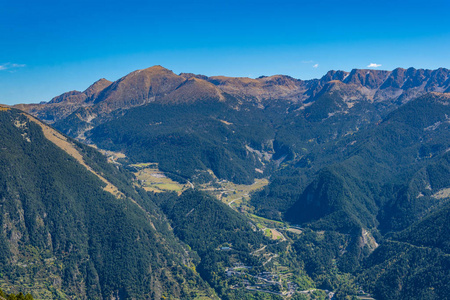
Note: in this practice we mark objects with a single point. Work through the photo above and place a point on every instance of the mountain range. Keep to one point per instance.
(157, 84)
(358, 188)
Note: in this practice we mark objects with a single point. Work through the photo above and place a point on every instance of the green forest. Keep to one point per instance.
(355, 206)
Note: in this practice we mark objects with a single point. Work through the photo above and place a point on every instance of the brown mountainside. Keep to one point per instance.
(138, 87)
(272, 87)
(160, 84)
(63, 105)
(194, 89)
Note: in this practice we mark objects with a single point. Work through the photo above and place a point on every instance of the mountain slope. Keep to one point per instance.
(62, 106)
(192, 90)
(412, 264)
(189, 137)
(299, 113)
(373, 159)
(64, 235)
(138, 88)
(206, 225)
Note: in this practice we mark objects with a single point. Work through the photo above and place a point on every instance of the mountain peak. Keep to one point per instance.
(334, 75)
(367, 77)
(97, 87)
(147, 74)
(139, 87)
(157, 69)
(156, 83)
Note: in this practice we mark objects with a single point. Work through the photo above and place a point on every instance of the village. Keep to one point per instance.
(266, 282)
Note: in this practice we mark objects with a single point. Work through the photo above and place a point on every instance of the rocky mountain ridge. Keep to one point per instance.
(158, 84)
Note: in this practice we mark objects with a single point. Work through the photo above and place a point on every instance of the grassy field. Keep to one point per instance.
(266, 222)
(235, 195)
(276, 235)
(153, 180)
(294, 230)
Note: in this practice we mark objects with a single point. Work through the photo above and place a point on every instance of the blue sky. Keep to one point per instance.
(50, 47)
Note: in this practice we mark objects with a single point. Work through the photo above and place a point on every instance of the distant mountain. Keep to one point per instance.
(138, 88)
(373, 85)
(65, 104)
(154, 83)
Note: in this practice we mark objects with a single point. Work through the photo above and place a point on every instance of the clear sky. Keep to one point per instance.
(50, 47)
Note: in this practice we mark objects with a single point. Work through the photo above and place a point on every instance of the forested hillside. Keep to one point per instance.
(186, 138)
(65, 236)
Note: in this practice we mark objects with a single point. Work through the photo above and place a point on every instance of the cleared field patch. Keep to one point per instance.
(266, 222)
(232, 194)
(294, 230)
(276, 235)
(273, 234)
(66, 145)
(153, 180)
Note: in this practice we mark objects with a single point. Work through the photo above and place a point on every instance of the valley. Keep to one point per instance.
(276, 279)
(272, 275)
(194, 187)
